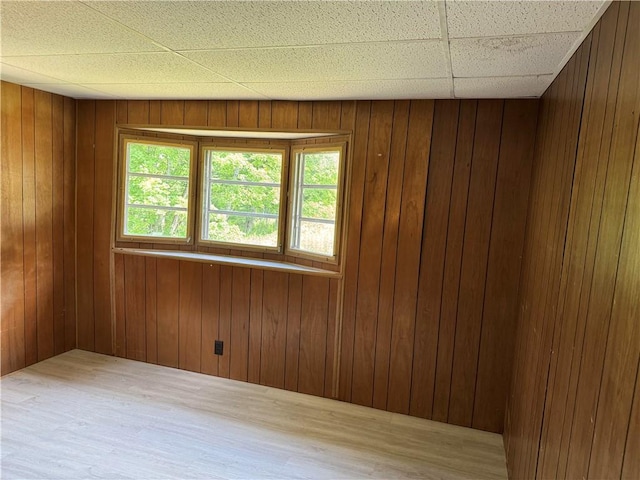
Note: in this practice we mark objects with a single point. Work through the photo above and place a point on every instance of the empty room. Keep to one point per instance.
(320, 239)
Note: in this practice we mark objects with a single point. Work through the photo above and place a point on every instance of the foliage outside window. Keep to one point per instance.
(242, 197)
(246, 199)
(315, 204)
(157, 189)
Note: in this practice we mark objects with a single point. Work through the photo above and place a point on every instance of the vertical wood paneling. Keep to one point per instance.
(84, 196)
(409, 243)
(233, 113)
(507, 238)
(69, 221)
(292, 351)
(119, 300)
(477, 235)
(571, 408)
(586, 195)
(29, 225)
(313, 325)
(37, 184)
(190, 316)
(284, 114)
(255, 326)
(239, 342)
(172, 112)
(305, 115)
(264, 114)
(631, 461)
(217, 113)
(389, 250)
(210, 317)
(224, 322)
(150, 310)
(44, 223)
(168, 308)
(274, 329)
(138, 112)
(331, 338)
(326, 115)
(248, 114)
(453, 259)
(57, 177)
(195, 112)
(375, 187)
(134, 307)
(282, 329)
(13, 294)
(434, 242)
(103, 191)
(352, 257)
(122, 111)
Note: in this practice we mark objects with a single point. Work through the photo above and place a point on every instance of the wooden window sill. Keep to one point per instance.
(243, 262)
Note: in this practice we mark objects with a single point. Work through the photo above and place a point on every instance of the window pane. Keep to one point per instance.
(246, 183)
(158, 159)
(321, 168)
(155, 222)
(317, 237)
(245, 198)
(319, 203)
(243, 229)
(245, 166)
(315, 198)
(158, 192)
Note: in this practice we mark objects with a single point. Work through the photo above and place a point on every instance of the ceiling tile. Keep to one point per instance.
(210, 25)
(501, 87)
(496, 18)
(329, 62)
(70, 90)
(220, 91)
(43, 28)
(510, 56)
(9, 73)
(116, 68)
(374, 89)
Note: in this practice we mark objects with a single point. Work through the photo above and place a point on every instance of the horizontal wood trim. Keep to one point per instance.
(256, 263)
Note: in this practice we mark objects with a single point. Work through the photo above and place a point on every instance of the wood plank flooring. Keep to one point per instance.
(82, 414)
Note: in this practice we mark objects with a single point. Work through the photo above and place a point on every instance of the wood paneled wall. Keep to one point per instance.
(574, 405)
(435, 232)
(38, 226)
(277, 328)
(435, 238)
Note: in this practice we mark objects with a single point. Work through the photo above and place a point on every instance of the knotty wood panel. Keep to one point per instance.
(572, 409)
(432, 183)
(38, 232)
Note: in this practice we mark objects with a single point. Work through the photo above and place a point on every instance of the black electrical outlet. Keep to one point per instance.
(218, 347)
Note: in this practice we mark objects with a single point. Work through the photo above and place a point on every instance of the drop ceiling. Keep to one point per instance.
(292, 50)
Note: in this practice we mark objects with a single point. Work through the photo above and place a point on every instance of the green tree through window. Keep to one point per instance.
(243, 191)
(157, 190)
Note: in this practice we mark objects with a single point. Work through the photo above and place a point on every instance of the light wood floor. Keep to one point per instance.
(84, 415)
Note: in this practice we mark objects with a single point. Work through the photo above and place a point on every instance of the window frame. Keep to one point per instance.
(295, 151)
(202, 186)
(123, 170)
(264, 140)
